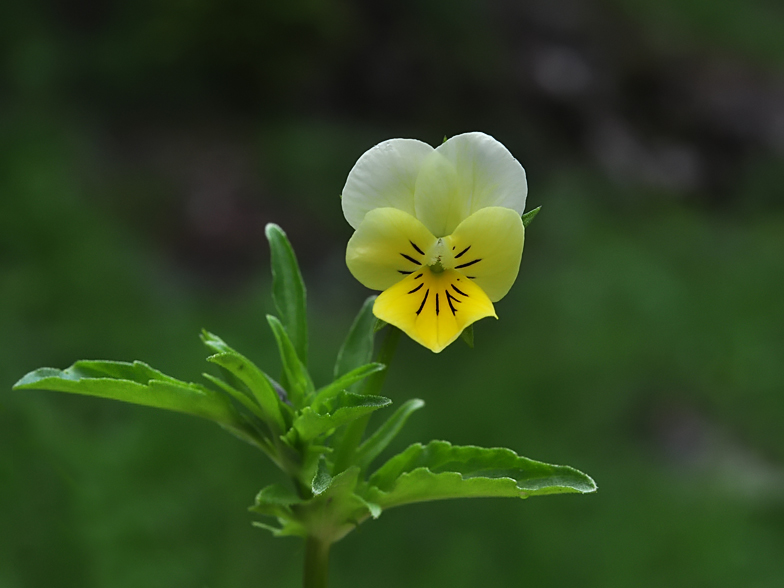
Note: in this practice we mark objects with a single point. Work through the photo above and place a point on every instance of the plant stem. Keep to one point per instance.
(316, 563)
(352, 435)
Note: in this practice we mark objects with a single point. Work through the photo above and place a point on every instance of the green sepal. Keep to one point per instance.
(322, 478)
(288, 290)
(382, 437)
(300, 385)
(529, 216)
(357, 349)
(136, 383)
(344, 408)
(344, 382)
(379, 325)
(439, 470)
(246, 372)
(468, 336)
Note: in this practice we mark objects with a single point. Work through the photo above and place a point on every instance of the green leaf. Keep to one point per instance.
(529, 216)
(347, 407)
(357, 349)
(379, 440)
(136, 383)
(440, 470)
(288, 290)
(246, 372)
(468, 336)
(344, 382)
(300, 384)
(277, 501)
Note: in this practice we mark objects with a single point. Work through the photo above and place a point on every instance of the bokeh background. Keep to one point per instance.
(144, 145)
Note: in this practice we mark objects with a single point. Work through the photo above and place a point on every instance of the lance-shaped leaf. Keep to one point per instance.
(246, 372)
(357, 349)
(288, 290)
(300, 384)
(346, 381)
(346, 407)
(136, 383)
(440, 470)
(379, 440)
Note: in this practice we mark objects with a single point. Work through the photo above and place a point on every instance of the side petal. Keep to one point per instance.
(488, 173)
(433, 309)
(487, 248)
(438, 199)
(384, 176)
(387, 246)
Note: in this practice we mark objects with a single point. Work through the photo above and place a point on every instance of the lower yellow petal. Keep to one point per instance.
(433, 308)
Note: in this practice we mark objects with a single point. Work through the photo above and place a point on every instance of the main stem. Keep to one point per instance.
(316, 563)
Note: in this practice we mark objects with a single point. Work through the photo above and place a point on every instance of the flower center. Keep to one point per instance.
(439, 256)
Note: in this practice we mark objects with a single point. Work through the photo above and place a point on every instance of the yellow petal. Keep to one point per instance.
(488, 247)
(433, 308)
(388, 245)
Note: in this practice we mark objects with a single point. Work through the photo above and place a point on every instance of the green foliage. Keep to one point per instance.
(300, 384)
(288, 290)
(136, 383)
(357, 349)
(384, 435)
(317, 437)
(344, 408)
(345, 382)
(440, 470)
(252, 377)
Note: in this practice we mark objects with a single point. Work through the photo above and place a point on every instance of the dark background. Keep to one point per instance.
(144, 145)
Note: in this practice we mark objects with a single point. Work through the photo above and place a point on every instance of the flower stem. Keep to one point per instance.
(316, 563)
(352, 435)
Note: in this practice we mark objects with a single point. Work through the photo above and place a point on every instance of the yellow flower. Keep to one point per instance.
(438, 230)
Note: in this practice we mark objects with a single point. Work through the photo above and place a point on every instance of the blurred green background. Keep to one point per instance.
(144, 145)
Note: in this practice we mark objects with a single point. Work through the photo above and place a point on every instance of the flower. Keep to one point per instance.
(438, 230)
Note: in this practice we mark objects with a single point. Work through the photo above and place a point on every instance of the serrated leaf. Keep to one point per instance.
(251, 376)
(347, 407)
(344, 382)
(288, 290)
(440, 470)
(136, 383)
(379, 440)
(529, 216)
(357, 349)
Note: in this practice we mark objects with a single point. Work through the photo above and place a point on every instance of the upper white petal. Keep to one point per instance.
(488, 174)
(385, 176)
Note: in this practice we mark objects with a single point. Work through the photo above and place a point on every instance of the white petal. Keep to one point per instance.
(385, 176)
(488, 175)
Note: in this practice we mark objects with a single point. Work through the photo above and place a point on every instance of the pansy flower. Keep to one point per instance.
(437, 230)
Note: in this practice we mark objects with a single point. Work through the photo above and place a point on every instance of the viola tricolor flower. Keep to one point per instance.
(438, 230)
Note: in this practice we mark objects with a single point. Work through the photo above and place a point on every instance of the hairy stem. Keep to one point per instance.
(316, 563)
